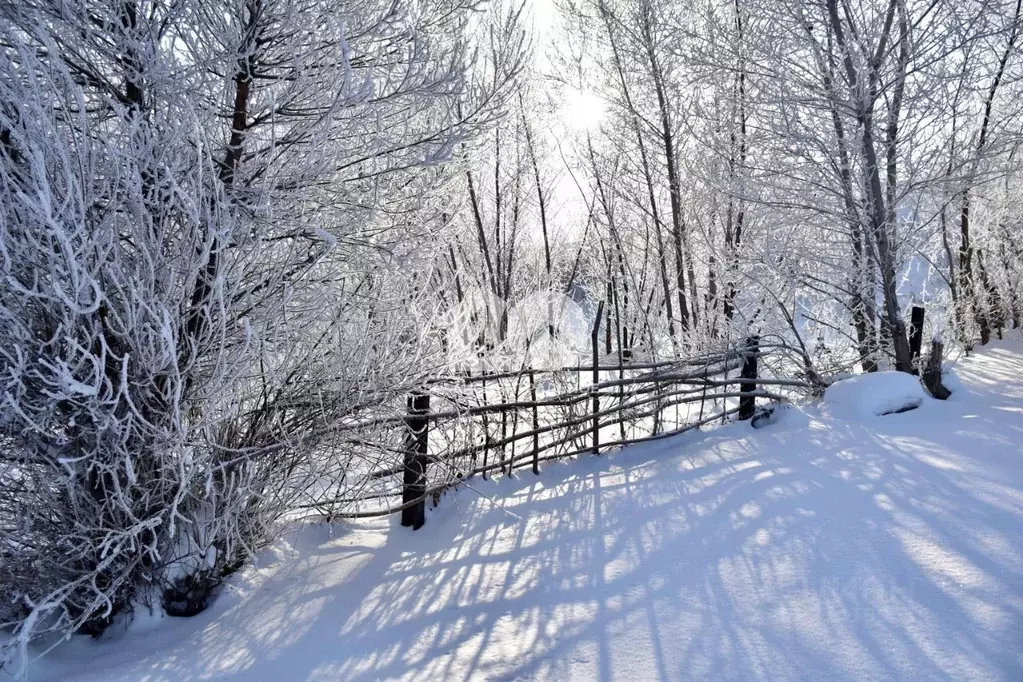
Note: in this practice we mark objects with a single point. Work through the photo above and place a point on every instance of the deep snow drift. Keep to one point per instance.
(816, 547)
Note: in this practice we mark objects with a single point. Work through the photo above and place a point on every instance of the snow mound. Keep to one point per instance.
(875, 394)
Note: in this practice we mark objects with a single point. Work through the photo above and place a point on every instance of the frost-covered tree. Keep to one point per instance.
(208, 221)
(807, 169)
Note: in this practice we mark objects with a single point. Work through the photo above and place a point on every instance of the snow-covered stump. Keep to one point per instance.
(932, 371)
(416, 442)
(747, 403)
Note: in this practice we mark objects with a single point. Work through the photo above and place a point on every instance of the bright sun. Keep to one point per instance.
(583, 110)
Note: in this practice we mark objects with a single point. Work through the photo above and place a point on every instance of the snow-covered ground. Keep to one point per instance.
(819, 547)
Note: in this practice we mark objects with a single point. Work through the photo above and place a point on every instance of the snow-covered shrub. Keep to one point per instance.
(107, 223)
(201, 278)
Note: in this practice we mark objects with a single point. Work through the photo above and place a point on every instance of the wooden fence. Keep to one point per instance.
(458, 427)
(478, 424)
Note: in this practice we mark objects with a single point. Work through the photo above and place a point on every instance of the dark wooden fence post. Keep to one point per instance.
(657, 408)
(536, 423)
(747, 403)
(916, 335)
(594, 335)
(505, 462)
(416, 441)
(486, 427)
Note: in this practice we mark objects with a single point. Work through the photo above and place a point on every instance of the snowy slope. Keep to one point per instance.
(814, 548)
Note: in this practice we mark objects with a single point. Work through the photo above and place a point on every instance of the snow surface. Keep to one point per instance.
(817, 547)
(874, 395)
